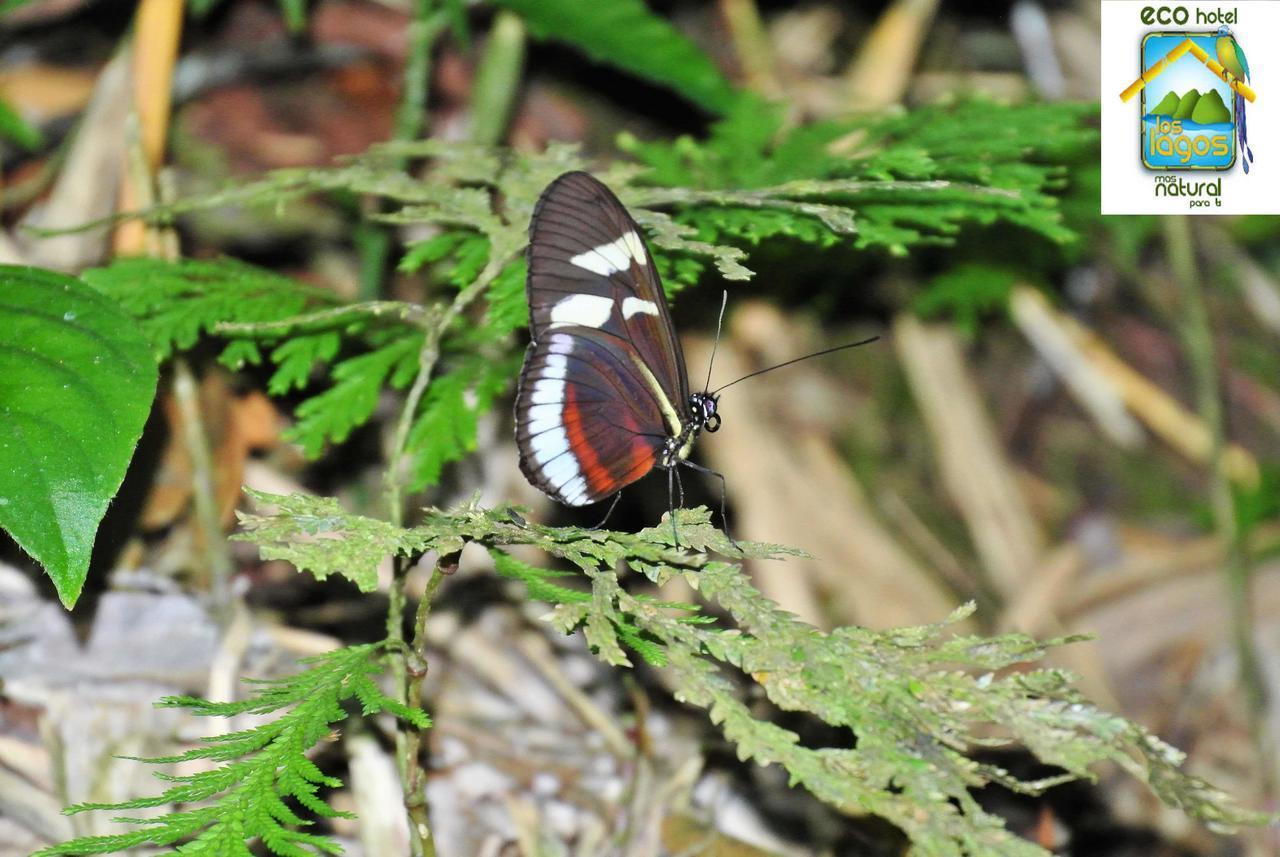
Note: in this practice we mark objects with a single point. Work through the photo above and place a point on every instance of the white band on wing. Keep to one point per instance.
(612, 257)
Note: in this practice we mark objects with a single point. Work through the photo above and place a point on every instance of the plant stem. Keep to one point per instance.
(415, 776)
(374, 240)
(1238, 567)
(408, 664)
(410, 120)
(495, 88)
(408, 684)
(327, 319)
(497, 80)
(208, 527)
(411, 115)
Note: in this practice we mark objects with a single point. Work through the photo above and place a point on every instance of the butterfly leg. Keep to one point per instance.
(609, 514)
(724, 490)
(671, 505)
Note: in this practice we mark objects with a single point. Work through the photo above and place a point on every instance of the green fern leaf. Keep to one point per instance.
(178, 302)
(537, 580)
(888, 182)
(260, 771)
(319, 537)
(508, 309)
(445, 428)
(333, 414)
(915, 701)
(297, 356)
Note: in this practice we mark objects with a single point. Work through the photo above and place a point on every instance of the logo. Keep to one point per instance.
(1194, 87)
(1187, 111)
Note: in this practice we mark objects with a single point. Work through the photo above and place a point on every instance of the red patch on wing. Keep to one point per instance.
(598, 479)
(642, 457)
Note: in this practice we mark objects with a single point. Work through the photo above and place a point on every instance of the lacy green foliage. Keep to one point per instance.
(357, 381)
(178, 302)
(262, 777)
(877, 181)
(917, 701)
(319, 537)
(476, 255)
(895, 181)
(451, 409)
(624, 33)
(538, 583)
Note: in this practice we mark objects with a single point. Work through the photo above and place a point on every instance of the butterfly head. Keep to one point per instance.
(702, 410)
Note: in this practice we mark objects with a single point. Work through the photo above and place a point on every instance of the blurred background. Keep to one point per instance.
(1080, 436)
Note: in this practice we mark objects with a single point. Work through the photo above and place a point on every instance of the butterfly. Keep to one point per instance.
(603, 396)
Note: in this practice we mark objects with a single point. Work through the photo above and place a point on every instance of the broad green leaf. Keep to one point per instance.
(76, 381)
(624, 33)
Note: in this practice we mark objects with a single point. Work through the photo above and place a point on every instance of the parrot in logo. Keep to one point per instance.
(1231, 55)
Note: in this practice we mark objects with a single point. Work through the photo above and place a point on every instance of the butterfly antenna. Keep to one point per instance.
(797, 360)
(724, 301)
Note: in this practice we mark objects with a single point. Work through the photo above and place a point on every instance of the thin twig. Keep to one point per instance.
(408, 666)
(415, 776)
(406, 679)
(422, 32)
(411, 118)
(401, 311)
(771, 196)
(217, 560)
(1237, 566)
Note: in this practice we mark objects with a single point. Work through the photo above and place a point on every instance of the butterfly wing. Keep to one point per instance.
(604, 383)
(588, 265)
(586, 423)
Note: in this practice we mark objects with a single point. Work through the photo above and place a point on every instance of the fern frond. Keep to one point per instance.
(445, 428)
(917, 702)
(178, 302)
(331, 415)
(880, 181)
(889, 181)
(261, 773)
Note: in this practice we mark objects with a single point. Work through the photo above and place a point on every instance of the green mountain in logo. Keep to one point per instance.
(1167, 105)
(1186, 105)
(1207, 109)
(1210, 110)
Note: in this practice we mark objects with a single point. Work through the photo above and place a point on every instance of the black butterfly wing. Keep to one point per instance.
(603, 385)
(586, 424)
(589, 267)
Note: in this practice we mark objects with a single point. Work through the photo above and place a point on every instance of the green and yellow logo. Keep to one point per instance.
(1194, 87)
